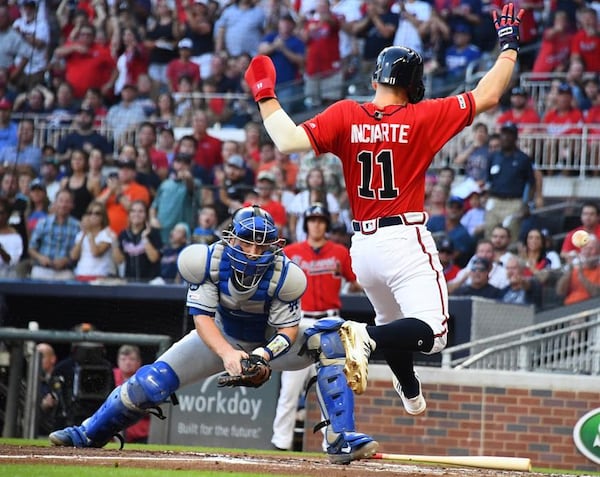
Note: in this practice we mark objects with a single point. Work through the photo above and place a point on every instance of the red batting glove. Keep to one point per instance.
(261, 77)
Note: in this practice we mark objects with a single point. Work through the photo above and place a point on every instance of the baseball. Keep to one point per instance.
(580, 238)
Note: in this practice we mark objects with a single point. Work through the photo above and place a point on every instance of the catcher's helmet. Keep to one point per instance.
(316, 210)
(403, 67)
(251, 225)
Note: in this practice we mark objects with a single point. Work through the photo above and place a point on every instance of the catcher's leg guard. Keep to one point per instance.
(150, 386)
(356, 343)
(336, 399)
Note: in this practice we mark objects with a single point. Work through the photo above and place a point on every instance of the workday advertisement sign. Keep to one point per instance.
(208, 415)
(586, 435)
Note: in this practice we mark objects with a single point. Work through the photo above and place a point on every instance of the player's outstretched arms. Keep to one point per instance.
(287, 136)
(491, 87)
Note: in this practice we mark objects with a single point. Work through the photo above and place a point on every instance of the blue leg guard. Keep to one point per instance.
(150, 386)
(336, 399)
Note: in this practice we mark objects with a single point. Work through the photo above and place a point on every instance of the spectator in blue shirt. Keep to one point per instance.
(8, 129)
(287, 52)
(52, 240)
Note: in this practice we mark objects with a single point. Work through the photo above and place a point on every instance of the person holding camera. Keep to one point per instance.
(176, 198)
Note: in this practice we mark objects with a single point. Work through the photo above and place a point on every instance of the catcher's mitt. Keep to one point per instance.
(255, 372)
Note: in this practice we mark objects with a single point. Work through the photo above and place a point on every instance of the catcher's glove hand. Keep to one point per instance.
(255, 372)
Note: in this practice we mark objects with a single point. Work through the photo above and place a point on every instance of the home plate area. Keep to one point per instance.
(284, 463)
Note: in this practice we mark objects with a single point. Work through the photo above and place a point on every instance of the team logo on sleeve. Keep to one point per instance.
(462, 104)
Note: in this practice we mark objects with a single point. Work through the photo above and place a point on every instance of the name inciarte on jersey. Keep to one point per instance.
(382, 132)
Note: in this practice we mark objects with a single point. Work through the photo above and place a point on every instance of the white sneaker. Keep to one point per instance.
(415, 405)
(358, 346)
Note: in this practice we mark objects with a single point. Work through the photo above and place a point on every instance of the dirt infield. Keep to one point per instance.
(289, 463)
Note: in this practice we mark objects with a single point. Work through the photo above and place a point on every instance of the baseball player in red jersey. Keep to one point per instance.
(325, 264)
(386, 146)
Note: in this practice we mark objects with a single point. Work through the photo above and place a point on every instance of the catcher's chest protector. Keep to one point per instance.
(244, 314)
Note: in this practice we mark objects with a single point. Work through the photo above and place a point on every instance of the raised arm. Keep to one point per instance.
(287, 136)
(490, 88)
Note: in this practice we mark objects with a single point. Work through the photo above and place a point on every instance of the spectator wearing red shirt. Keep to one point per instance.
(520, 113)
(585, 45)
(87, 64)
(590, 222)
(446, 255)
(129, 360)
(555, 49)
(208, 152)
(183, 66)
(323, 73)
(146, 139)
(565, 118)
(132, 62)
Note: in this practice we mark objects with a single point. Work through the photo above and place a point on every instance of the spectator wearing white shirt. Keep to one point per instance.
(92, 250)
(35, 33)
(11, 243)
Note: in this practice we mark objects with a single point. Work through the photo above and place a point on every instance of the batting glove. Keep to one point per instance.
(507, 27)
(261, 77)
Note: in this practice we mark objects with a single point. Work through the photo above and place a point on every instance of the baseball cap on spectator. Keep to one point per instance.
(565, 88)
(37, 184)
(480, 263)
(455, 200)
(288, 18)
(185, 43)
(89, 111)
(445, 245)
(510, 127)
(518, 91)
(461, 28)
(129, 164)
(266, 176)
(53, 161)
(236, 161)
(5, 104)
(183, 157)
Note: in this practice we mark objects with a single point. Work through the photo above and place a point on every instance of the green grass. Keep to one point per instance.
(18, 470)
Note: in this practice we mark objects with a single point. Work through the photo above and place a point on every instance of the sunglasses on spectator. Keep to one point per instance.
(479, 269)
(93, 212)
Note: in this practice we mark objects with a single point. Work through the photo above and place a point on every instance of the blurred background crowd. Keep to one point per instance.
(127, 131)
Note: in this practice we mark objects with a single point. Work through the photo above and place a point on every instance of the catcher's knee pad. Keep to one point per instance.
(151, 385)
(335, 397)
(323, 341)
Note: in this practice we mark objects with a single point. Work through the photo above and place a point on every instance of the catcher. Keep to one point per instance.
(243, 294)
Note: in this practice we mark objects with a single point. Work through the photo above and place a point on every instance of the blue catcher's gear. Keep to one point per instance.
(335, 397)
(403, 67)
(150, 386)
(251, 225)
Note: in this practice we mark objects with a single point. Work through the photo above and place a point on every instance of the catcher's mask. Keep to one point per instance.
(252, 243)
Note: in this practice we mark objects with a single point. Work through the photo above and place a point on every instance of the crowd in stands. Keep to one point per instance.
(98, 180)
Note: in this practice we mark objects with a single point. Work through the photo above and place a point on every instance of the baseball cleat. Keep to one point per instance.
(358, 346)
(70, 437)
(415, 405)
(351, 446)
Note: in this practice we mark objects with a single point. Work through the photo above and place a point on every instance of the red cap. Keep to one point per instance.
(5, 104)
